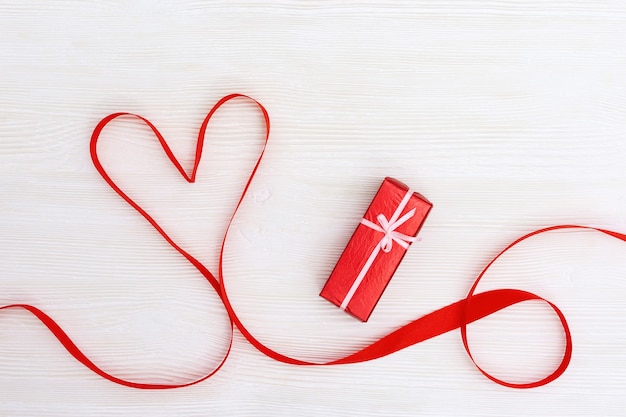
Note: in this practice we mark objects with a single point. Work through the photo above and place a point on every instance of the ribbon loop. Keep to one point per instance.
(388, 228)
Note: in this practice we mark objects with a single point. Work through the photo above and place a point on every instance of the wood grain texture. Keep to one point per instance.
(509, 116)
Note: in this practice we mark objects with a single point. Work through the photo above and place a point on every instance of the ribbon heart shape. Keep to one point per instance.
(190, 178)
(457, 315)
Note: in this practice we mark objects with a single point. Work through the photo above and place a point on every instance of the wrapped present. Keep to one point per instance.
(376, 248)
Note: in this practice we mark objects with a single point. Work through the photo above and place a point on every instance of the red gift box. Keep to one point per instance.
(376, 248)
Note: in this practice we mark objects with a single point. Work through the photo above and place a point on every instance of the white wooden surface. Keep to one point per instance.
(509, 116)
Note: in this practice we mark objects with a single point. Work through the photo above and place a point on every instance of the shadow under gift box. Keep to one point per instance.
(376, 248)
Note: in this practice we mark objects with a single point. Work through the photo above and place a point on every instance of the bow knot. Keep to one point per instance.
(388, 228)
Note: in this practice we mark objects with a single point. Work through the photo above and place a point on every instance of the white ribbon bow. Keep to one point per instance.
(389, 229)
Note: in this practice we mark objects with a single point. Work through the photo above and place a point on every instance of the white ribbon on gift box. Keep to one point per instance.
(390, 235)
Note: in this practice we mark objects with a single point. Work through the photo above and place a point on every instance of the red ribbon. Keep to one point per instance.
(456, 315)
